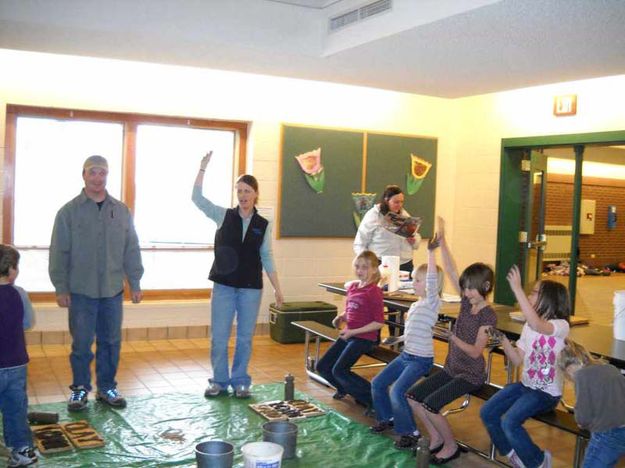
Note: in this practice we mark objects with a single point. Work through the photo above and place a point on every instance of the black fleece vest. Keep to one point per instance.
(237, 263)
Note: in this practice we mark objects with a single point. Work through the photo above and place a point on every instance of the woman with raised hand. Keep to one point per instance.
(242, 251)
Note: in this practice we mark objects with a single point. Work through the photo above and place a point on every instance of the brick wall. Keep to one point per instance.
(607, 245)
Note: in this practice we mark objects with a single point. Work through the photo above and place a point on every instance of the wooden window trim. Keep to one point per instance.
(130, 122)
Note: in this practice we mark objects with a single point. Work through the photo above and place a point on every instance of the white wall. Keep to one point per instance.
(486, 120)
(469, 132)
(100, 84)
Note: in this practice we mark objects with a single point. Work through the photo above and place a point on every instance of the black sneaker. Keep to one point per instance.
(78, 399)
(407, 442)
(381, 426)
(112, 398)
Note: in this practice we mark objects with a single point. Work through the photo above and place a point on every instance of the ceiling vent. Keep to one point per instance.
(359, 14)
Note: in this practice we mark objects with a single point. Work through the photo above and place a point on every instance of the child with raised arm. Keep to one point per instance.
(464, 369)
(362, 320)
(546, 312)
(16, 315)
(389, 386)
(599, 406)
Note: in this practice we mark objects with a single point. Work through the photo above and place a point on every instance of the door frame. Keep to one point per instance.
(510, 198)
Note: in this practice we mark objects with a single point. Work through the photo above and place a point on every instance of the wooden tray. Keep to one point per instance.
(51, 438)
(291, 410)
(82, 434)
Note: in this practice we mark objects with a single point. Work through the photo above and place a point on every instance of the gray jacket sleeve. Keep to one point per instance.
(29, 313)
(59, 254)
(133, 267)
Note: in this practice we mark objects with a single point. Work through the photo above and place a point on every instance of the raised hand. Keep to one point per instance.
(514, 278)
(206, 159)
(434, 242)
(441, 227)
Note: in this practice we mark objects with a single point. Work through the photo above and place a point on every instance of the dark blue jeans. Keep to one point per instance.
(605, 448)
(389, 390)
(100, 319)
(14, 407)
(336, 367)
(504, 415)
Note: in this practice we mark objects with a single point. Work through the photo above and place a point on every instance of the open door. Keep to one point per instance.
(521, 236)
(532, 236)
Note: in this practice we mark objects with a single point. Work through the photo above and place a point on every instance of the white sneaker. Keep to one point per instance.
(24, 457)
(242, 391)
(548, 460)
(514, 460)
(214, 389)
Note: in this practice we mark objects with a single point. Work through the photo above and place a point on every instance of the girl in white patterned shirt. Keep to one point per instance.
(546, 311)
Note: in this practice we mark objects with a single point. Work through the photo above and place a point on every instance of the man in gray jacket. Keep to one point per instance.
(94, 246)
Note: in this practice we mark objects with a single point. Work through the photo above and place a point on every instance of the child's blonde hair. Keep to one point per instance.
(422, 270)
(575, 354)
(372, 260)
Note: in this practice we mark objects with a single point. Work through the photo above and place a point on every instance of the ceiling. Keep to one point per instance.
(446, 48)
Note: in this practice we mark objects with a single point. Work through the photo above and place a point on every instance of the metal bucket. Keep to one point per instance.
(214, 454)
(283, 433)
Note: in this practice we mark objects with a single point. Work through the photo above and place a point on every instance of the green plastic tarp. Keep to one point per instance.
(134, 436)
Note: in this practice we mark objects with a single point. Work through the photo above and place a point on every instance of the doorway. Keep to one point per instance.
(553, 216)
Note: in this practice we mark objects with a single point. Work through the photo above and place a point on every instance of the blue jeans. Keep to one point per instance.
(225, 304)
(336, 367)
(605, 448)
(14, 407)
(101, 319)
(504, 415)
(400, 375)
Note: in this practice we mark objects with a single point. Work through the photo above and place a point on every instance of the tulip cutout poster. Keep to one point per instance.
(321, 169)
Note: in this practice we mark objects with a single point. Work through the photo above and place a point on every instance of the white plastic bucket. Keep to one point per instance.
(391, 262)
(619, 315)
(262, 455)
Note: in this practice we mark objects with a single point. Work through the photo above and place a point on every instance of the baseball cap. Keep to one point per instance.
(95, 161)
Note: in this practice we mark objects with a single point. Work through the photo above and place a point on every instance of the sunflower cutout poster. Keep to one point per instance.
(311, 166)
(419, 169)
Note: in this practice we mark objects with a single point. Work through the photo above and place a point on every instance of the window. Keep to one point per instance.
(153, 162)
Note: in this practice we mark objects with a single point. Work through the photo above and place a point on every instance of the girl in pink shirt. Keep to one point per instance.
(362, 320)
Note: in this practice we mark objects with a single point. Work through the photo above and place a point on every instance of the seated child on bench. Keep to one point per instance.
(464, 370)
(546, 312)
(600, 405)
(363, 318)
(389, 386)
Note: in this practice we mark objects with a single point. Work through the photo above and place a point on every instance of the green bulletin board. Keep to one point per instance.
(388, 162)
(305, 213)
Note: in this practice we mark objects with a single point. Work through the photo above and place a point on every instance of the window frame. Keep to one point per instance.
(130, 122)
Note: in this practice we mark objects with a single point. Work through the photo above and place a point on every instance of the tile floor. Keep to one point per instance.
(153, 367)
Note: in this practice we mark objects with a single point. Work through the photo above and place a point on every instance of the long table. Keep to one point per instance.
(598, 339)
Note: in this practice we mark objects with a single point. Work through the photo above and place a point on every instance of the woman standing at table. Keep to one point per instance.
(242, 250)
(372, 235)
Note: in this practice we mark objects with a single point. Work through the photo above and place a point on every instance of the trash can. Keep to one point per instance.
(280, 328)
